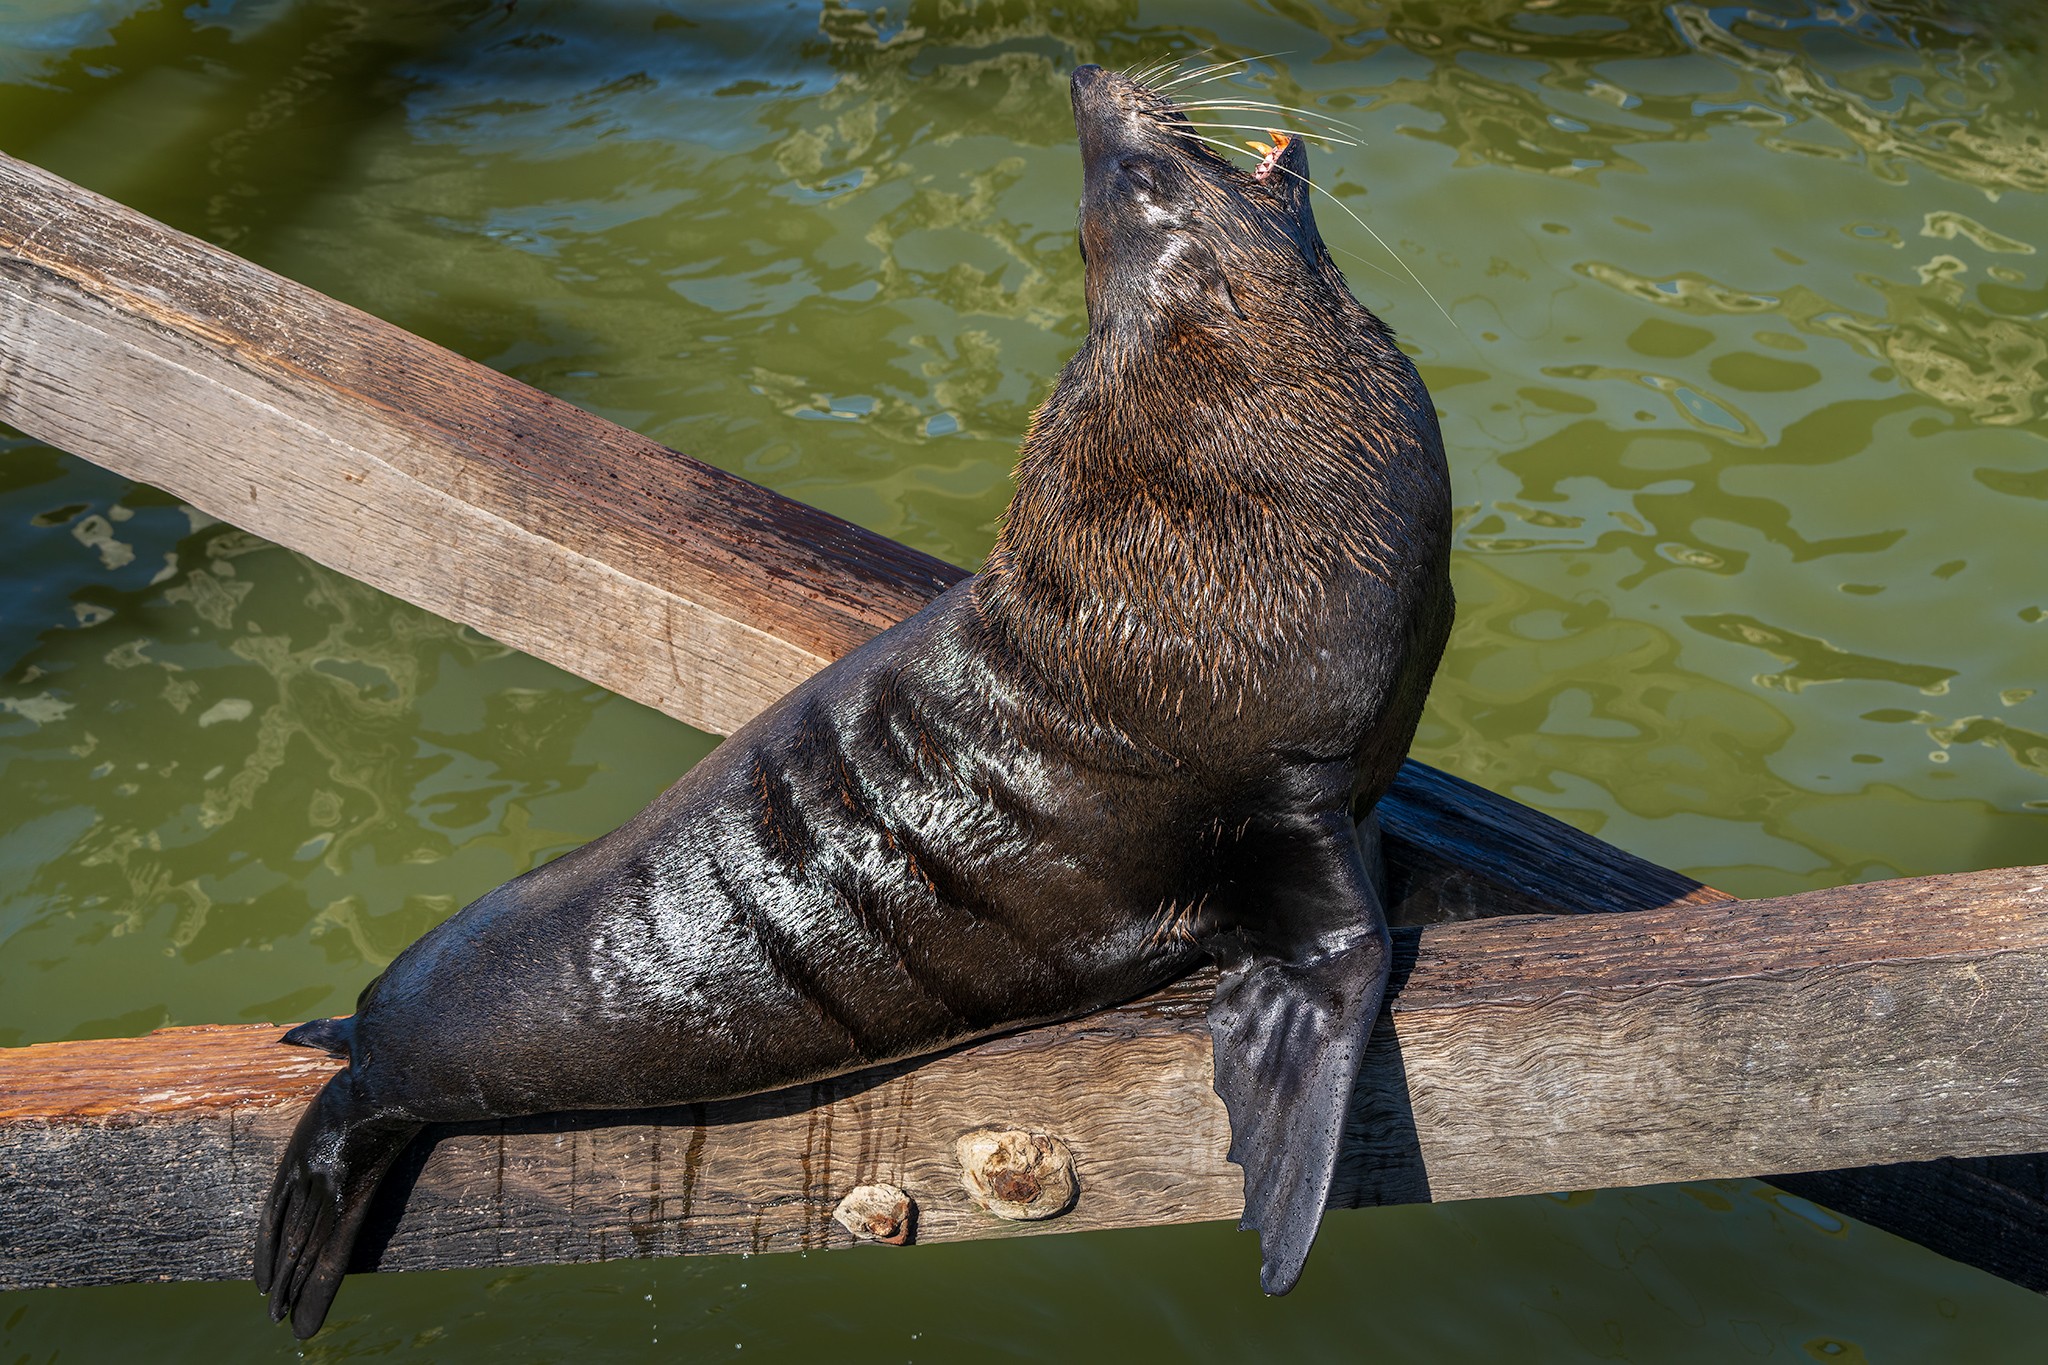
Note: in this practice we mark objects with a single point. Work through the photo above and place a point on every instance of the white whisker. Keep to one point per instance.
(1162, 68)
(1377, 238)
(1226, 75)
(1184, 77)
(1267, 106)
(1312, 134)
(1373, 266)
(1235, 148)
(1219, 142)
(1152, 69)
(1201, 71)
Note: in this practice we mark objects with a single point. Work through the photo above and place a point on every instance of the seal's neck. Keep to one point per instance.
(1192, 517)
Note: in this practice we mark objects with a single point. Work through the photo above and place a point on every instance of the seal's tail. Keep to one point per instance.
(332, 1036)
(341, 1150)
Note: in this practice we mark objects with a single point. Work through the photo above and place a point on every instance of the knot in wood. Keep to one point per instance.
(1017, 1174)
(878, 1213)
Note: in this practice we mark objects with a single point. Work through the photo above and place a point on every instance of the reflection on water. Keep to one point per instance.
(1649, 1276)
(220, 750)
(1743, 395)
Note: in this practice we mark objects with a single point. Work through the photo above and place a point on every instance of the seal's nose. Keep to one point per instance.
(1097, 118)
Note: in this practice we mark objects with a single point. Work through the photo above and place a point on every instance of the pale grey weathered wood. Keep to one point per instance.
(1890, 1022)
(437, 479)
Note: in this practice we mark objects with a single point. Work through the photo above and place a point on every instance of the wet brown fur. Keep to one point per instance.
(1156, 548)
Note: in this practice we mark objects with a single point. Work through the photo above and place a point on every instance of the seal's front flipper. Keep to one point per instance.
(1304, 965)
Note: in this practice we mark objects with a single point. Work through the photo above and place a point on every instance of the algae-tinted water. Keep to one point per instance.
(1743, 384)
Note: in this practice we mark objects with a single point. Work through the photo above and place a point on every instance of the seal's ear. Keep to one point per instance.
(1289, 179)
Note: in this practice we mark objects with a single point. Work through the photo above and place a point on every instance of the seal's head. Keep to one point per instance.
(1174, 234)
(1234, 465)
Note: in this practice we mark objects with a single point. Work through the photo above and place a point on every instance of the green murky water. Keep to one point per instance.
(1745, 383)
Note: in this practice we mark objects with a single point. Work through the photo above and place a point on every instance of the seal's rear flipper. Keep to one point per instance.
(1303, 976)
(340, 1151)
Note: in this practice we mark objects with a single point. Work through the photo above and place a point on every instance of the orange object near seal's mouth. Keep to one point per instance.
(1270, 155)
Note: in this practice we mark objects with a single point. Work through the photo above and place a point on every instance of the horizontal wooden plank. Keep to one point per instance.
(1890, 1022)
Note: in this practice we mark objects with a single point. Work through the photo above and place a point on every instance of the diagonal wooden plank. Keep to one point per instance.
(271, 406)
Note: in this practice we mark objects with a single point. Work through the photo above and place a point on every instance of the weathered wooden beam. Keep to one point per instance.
(271, 406)
(1894, 1021)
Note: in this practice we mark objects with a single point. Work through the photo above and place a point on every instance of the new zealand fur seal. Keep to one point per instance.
(1138, 740)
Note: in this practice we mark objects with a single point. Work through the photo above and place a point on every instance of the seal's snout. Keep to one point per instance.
(1103, 113)
(1090, 91)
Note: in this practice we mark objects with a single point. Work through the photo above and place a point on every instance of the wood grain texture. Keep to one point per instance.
(1896, 1021)
(397, 462)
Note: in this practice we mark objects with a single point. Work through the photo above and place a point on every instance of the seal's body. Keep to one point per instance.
(1137, 741)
